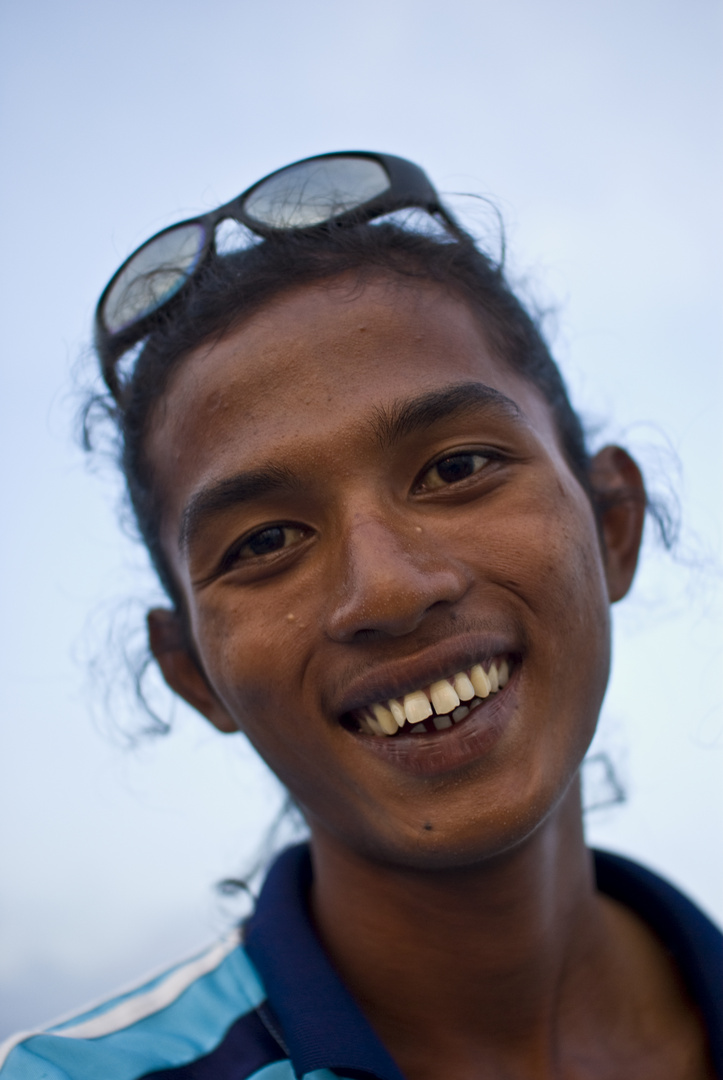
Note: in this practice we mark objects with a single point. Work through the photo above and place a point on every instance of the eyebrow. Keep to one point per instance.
(392, 424)
(224, 494)
(389, 424)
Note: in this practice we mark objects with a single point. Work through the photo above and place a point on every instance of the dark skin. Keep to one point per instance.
(327, 561)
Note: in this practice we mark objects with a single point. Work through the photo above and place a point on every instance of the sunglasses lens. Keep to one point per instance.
(312, 192)
(153, 275)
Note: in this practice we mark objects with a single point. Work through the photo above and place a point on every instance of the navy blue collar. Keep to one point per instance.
(324, 1028)
(322, 1025)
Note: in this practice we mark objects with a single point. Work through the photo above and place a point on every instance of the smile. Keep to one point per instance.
(437, 706)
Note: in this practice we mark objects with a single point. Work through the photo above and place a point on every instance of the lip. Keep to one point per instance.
(396, 678)
(431, 755)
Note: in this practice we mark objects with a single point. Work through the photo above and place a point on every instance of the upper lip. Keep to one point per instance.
(397, 677)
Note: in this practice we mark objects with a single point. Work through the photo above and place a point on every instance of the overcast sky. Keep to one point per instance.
(596, 129)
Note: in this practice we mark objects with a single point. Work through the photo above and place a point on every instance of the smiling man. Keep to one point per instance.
(390, 563)
(406, 521)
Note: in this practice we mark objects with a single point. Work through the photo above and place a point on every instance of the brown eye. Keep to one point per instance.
(452, 469)
(270, 540)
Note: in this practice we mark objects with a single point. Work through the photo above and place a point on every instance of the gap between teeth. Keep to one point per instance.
(442, 701)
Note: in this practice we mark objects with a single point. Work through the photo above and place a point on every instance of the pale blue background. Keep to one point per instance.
(597, 129)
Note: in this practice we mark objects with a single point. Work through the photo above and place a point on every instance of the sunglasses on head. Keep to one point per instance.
(345, 188)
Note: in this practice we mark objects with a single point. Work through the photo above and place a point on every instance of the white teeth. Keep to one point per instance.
(397, 711)
(464, 688)
(444, 697)
(385, 719)
(479, 680)
(417, 707)
(420, 730)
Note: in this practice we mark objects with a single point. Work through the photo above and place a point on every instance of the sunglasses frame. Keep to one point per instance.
(408, 187)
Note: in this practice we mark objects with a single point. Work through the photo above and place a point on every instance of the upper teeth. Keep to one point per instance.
(441, 698)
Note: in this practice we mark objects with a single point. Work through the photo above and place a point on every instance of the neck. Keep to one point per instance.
(491, 952)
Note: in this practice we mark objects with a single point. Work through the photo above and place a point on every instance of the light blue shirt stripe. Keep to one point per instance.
(187, 1028)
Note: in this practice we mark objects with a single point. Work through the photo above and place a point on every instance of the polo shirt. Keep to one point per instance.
(266, 1003)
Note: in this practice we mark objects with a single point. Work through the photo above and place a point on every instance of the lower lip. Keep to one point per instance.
(452, 748)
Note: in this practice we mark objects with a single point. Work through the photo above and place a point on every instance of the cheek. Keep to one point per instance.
(572, 621)
(259, 663)
(577, 578)
(542, 562)
(251, 653)
(548, 548)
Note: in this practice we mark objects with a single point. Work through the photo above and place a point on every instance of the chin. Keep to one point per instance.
(450, 839)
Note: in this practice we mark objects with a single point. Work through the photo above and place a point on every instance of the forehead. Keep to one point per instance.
(313, 367)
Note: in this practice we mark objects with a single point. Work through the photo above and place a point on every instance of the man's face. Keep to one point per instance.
(360, 501)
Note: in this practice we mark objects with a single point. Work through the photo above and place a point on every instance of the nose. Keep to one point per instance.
(387, 578)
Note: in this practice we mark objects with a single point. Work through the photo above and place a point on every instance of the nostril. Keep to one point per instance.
(369, 635)
(442, 604)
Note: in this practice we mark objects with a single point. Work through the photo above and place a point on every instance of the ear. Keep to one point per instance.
(620, 500)
(181, 670)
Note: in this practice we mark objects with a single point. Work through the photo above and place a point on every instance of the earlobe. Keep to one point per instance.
(181, 670)
(620, 500)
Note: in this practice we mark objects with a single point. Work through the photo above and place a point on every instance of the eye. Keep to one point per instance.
(452, 469)
(267, 541)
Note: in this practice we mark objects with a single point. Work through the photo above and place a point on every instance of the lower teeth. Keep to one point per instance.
(441, 723)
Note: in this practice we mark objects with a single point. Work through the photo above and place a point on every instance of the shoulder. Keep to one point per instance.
(668, 911)
(165, 1023)
(692, 939)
